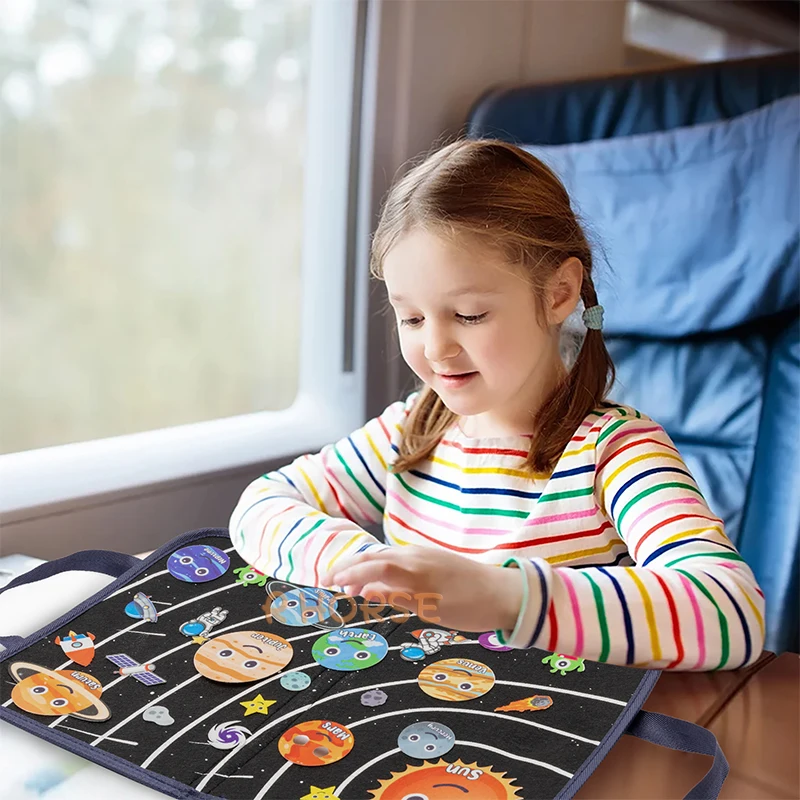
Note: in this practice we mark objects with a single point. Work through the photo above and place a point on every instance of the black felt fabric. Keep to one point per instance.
(505, 743)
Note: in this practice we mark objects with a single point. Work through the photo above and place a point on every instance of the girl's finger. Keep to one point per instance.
(377, 591)
(340, 568)
(359, 574)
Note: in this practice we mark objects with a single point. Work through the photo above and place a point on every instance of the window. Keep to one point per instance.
(173, 232)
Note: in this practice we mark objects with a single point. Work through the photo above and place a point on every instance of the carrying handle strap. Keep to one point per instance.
(106, 562)
(678, 734)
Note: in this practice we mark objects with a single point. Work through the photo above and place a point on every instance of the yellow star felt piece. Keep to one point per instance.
(258, 705)
(320, 794)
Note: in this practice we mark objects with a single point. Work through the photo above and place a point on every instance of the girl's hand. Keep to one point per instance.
(440, 587)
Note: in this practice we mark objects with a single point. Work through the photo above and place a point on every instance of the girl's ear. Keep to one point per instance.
(564, 290)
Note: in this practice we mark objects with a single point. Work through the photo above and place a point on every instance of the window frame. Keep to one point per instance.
(330, 398)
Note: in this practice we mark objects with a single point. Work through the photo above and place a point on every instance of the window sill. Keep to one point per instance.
(75, 472)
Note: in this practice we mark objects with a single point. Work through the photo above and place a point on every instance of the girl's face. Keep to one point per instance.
(469, 327)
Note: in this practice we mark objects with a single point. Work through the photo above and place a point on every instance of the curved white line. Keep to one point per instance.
(186, 682)
(516, 757)
(352, 725)
(99, 644)
(153, 660)
(564, 691)
(160, 614)
(339, 789)
(506, 717)
(253, 686)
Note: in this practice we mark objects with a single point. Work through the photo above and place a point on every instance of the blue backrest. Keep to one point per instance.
(688, 180)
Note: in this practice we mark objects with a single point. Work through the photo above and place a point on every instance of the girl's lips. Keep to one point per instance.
(456, 381)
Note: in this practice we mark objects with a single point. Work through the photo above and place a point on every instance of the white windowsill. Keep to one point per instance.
(50, 475)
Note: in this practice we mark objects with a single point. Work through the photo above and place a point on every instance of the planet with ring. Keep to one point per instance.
(56, 692)
(298, 606)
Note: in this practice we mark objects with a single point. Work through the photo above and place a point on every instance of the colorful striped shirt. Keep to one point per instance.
(624, 561)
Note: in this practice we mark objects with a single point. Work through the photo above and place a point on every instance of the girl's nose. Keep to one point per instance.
(439, 344)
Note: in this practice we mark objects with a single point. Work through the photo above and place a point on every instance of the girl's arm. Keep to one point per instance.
(691, 603)
(294, 523)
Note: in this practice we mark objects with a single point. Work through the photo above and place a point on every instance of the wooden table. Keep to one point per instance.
(755, 715)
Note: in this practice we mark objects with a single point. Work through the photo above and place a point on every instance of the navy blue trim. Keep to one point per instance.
(107, 562)
(154, 780)
(9, 642)
(657, 728)
(678, 734)
(140, 566)
(610, 739)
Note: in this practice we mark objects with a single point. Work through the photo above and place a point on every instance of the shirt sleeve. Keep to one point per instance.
(295, 523)
(690, 603)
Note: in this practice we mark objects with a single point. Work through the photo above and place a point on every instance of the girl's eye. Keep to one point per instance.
(411, 322)
(472, 319)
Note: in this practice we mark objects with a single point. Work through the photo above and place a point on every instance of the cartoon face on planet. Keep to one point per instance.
(243, 656)
(52, 693)
(298, 606)
(315, 743)
(198, 563)
(426, 740)
(443, 781)
(456, 679)
(350, 649)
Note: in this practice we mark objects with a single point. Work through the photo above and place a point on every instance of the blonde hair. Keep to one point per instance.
(515, 204)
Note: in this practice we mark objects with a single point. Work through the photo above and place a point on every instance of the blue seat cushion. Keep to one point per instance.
(699, 224)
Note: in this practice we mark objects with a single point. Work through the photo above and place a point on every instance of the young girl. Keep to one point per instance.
(507, 487)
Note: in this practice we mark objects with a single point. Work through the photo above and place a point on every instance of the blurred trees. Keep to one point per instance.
(151, 174)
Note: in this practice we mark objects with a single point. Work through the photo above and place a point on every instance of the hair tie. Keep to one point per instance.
(593, 317)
